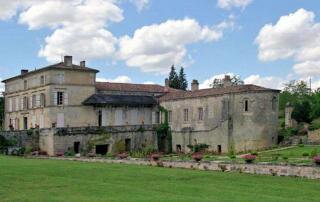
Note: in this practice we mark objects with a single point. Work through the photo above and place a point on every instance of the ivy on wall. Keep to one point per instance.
(164, 132)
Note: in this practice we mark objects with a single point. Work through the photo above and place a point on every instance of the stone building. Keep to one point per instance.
(70, 109)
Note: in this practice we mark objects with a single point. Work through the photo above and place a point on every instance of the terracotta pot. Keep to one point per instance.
(197, 156)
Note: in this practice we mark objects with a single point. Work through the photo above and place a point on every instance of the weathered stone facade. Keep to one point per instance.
(63, 97)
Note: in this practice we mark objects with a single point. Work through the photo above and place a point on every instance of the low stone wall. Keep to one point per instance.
(310, 172)
(23, 138)
(314, 137)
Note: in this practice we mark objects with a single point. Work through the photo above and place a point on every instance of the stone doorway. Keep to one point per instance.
(102, 149)
(76, 147)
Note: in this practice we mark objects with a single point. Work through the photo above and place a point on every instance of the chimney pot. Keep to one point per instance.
(194, 85)
(68, 60)
(166, 82)
(83, 64)
(227, 81)
(24, 71)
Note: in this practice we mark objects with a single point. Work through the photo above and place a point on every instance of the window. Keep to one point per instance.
(59, 98)
(42, 81)
(25, 84)
(42, 100)
(157, 117)
(34, 100)
(169, 116)
(274, 103)
(60, 78)
(25, 103)
(99, 118)
(25, 123)
(200, 114)
(185, 115)
(246, 105)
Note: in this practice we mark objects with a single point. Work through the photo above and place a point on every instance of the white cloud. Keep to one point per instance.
(140, 4)
(228, 4)
(296, 36)
(79, 26)
(156, 47)
(119, 79)
(206, 83)
(149, 82)
(1, 87)
(268, 82)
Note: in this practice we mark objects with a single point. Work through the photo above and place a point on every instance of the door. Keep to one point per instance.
(25, 123)
(76, 146)
(127, 145)
(60, 120)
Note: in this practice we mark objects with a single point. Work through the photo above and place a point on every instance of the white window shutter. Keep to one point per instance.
(10, 104)
(65, 98)
(55, 97)
(22, 103)
(38, 100)
(30, 102)
(17, 103)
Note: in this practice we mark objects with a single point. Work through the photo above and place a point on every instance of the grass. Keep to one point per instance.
(53, 180)
(294, 152)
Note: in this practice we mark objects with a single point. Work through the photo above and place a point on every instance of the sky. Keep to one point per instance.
(265, 42)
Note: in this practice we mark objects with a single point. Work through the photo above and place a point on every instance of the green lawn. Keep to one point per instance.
(54, 180)
(295, 152)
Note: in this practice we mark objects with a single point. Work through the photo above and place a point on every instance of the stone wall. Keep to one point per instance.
(314, 137)
(311, 172)
(23, 138)
(63, 139)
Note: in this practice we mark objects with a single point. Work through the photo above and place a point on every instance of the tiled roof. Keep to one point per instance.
(128, 100)
(214, 92)
(152, 88)
(60, 65)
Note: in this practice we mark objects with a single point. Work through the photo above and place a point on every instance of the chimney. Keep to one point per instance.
(227, 81)
(166, 82)
(194, 85)
(24, 71)
(83, 64)
(68, 60)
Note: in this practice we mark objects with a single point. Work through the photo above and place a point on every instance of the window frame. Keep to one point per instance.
(200, 113)
(186, 115)
(60, 98)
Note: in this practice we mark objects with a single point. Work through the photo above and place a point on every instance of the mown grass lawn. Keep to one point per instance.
(54, 180)
(294, 152)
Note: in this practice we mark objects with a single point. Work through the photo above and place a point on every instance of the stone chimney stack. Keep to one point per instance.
(24, 71)
(227, 81)
(83, 64)
(194, 85)
(68, 60)
(166, 82)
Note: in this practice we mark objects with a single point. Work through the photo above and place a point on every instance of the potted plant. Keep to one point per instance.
(123, 155)
(155, 156)
(249, 158)
(197, 156)
(316, 159)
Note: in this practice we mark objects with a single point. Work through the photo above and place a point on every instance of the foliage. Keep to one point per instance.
(305, 154)
(177, 81)
(69, 153)
(183, 83)
(315, 124)
(164, 131)
(235, 81)
(301, 111)
(198, 147)
(120, 146)
(1, 113)
(285, 133)
(143, 153)
(314, 152)
(94, 140)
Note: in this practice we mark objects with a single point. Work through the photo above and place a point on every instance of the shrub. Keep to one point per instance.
(198, 147)
(305, 154)
(232, 156)
(285, 158)
(254, 153)
(301, 145)
(315, 124)
(69, 153)
(314, 152)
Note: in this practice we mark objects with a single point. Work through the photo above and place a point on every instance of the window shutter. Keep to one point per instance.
(17, 103)
(38, 100)
(65, 98)
(54, 98)
(22, 103)
(153, 117)
(10, 104)
(30, 102)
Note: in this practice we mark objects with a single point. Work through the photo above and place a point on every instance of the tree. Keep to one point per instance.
(301, 112)
(173, 78)
(1, 112)
(235, 81)
(183, 83)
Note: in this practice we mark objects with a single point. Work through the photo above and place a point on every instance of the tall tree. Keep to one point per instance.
(183, 83)
(173, 78)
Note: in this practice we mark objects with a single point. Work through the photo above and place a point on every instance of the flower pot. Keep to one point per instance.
(197, 156)
(316, 160)
(155, 157)
(249, 158)
(123, 155)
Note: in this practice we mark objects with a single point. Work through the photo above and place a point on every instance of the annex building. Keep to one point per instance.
(71, 110)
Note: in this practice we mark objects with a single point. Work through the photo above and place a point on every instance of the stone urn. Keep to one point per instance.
(197, 156)
(249, 158)
(155, 156)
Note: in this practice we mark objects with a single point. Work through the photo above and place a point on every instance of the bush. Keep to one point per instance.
(315, 124)
(254, 153)
(314, 152)
(305, 154)
(301, 145)
(198, 147)
(285, 158)
(69, 153)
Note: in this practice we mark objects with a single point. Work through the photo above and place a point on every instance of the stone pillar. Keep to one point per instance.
(288, 114)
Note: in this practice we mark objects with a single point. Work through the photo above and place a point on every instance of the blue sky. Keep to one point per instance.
(266, 42)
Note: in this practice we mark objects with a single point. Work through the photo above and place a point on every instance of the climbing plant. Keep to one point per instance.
(164, 131)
